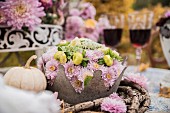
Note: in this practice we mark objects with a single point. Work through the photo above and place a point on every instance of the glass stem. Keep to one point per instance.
(138, 57)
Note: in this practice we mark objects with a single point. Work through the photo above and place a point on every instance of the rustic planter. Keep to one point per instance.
(94, 90)
(22, 40)
(165, 40)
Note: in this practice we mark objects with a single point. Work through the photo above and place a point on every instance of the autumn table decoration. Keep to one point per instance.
(82, 70)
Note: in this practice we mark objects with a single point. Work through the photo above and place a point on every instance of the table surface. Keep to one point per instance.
(155, 77)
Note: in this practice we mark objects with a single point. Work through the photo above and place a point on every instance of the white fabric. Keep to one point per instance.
(14, 100)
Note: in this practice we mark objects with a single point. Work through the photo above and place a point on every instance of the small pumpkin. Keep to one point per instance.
(27, 78)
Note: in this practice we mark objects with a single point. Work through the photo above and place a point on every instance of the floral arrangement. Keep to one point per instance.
(54, 10)
(80, 58)
(29, 13)
(81, 23)
(113, 104)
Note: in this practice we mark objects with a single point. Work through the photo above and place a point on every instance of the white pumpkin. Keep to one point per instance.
(27, 78)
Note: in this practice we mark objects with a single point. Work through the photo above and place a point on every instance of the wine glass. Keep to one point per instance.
(140, 30)
(113, 32)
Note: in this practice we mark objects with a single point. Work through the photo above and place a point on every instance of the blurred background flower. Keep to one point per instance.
(23, 13)
(154, 55)
(46, 3)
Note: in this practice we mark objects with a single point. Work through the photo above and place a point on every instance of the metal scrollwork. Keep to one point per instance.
(21, 40)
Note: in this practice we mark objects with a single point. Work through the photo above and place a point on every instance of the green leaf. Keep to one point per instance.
(67, 53)
(101, 61)
(84, 63)
(84, 53)
(68, 57)
(59, 49)
(87, 80)
(85, 59)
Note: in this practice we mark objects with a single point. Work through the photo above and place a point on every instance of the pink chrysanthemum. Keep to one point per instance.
(115, 96)
(94, 55)
(109, 76)
(74, 25)
(71, 69)
(113, 105)
(117, 67)
(53, 49)
(23, 13)
(2, 16)
(167, 14)
(46, 3)
(77, 84)
(84, 72)
(91, 34)
(94, 66)
(88, 11)
(51, 69)
(137, 78)
(47, 56)
(74, 12)
(40, 63)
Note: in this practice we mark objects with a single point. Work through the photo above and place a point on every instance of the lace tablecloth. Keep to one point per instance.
(155, 77)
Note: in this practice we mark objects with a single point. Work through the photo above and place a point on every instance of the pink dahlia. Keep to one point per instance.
(74, 26)
(23, 13)
(109, 76)
(74, 12)
(70, 36)
(71, 69)
(51, 69)
(113, 105)
(91, 34)
(88, 11)
(137, 78)
(46, 3)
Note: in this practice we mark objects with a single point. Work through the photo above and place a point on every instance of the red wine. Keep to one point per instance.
(139, 37)
(112, 36)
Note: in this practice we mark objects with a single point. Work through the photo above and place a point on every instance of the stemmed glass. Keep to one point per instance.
(113, 32)
(140, 29)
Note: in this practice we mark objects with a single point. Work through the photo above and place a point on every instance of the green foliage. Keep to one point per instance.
(101, 61)
(87, 80)
(84, 63)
